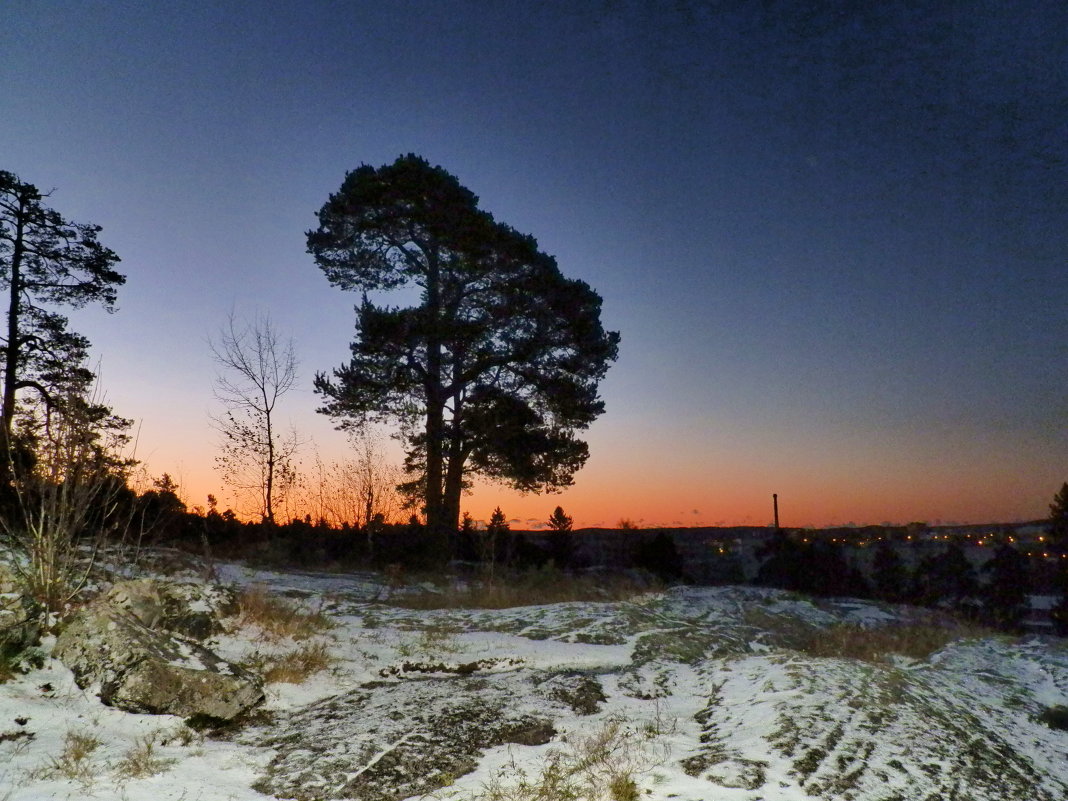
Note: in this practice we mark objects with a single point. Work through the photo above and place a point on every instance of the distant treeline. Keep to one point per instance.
(882, 563)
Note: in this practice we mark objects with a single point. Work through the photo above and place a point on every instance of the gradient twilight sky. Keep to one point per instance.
(833, 236)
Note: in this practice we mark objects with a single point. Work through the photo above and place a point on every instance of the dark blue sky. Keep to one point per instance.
(833, 239)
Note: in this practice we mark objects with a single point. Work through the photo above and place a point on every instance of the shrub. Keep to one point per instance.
(660, 557)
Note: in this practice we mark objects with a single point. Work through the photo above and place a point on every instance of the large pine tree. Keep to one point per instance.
(46, 261)
(494, 370)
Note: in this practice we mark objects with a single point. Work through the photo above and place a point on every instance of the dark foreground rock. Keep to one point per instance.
(116, 643)
(397, 740)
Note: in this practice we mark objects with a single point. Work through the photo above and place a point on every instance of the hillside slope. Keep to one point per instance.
(693, 694)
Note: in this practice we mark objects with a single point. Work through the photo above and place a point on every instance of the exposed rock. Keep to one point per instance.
(583, 693)
(20, 623)
(9, 580)
(396, 740)
(142, 670)
(408, 668)
(140, 597)
(192, 610)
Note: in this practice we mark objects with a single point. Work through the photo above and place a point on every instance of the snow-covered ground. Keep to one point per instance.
(705, 693)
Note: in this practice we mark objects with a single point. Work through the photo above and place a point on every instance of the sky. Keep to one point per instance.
(832, 237)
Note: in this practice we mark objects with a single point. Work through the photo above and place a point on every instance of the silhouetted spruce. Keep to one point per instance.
(1058, 521)
(561, 543)
(1058, 542)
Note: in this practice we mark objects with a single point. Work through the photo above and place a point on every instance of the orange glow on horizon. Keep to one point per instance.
(600, 501)
(656, 487)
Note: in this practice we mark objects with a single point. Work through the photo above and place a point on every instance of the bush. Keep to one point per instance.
(660, 557)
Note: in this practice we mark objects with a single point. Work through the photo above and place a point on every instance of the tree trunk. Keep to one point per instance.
(269, 506)
(436, 517)
(454, 478)
(11, 361)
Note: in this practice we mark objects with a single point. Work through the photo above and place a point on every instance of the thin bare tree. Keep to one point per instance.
(256, 369)
(360, 490)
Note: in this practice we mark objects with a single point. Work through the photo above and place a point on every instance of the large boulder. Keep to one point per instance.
(192, 610)
(112, 644)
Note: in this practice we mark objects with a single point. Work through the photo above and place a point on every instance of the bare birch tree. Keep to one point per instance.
(256, 369)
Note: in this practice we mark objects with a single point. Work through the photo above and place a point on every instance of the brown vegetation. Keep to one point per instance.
(913, 640)
(291, 667)
(278, 617)
(531, 588)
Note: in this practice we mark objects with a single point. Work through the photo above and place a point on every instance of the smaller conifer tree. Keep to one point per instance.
(1058, 520)
(559, 521)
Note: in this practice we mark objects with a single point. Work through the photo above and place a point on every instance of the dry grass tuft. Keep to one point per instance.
(536, 587)
(291, 667)
(434, 641)
(603, 766)
(916, 639)
(73, 762)
(141, 761)
(279, 617)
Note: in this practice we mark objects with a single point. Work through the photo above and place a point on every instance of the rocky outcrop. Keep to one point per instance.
(124, 644)
(20, 615)
(191, 610)
(395, 740)
(9, 580)
(20, 623)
